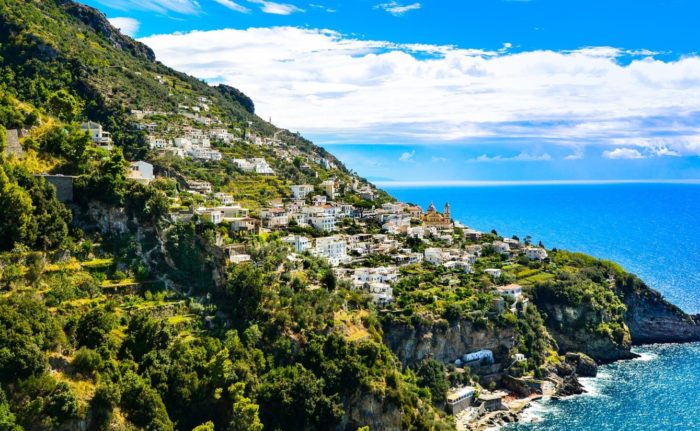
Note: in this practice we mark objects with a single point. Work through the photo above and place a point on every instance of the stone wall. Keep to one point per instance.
(13, 146)
(63, 185)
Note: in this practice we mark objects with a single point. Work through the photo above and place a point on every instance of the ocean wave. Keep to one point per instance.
(645, 357)
(594, 386)
(536, 412)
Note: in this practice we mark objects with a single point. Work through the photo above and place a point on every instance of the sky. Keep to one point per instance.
(470, 90)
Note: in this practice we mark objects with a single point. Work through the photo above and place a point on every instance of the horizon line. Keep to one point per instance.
(496, 183)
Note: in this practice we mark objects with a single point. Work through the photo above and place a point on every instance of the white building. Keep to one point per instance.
(224, 198)
(493, 272)
(157, 143)
(481, 355)
(460, 398)
(333, 248)
(97, 134)
(323, 222)
(203, 187)
(300, 191)
(511, 290)
(382, 293)
(501, 247)
(433, 255)
(258, 165)
(300, 243)
(387, 274)
(239, 258)
(536, 253)
(141, 172)
(274, 217)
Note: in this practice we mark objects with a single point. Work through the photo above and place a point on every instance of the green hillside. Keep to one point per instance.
(171, 261)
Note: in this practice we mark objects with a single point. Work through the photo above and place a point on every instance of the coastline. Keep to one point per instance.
(610, 384)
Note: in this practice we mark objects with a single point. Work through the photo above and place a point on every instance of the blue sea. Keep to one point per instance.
(652, 230)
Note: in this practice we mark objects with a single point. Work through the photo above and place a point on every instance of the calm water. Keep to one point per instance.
(652, 230)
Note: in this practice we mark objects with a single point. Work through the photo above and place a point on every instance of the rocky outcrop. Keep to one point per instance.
(652, 319)
(575, 330)
(569, 386)
(412, 344)
(370, 411)
(108, 219)
(583, 365)
(97, 21)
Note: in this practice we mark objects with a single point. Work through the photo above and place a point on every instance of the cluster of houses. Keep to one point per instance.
(192, 142)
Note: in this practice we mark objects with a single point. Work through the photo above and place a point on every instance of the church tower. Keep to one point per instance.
(448, 216)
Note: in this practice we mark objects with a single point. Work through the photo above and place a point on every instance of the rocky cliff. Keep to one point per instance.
(412, 344)
(652, 319)
(582, 329)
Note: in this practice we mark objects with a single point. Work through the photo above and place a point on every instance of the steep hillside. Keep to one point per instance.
(49, 46)
(170, 261)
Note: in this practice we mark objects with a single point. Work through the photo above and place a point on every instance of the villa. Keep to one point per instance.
(141, 172)
(511, 290)
(333, 248)
(300, 243)
(300, 191)
(536, 253)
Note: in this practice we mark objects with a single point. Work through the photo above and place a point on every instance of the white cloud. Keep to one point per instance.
(623, 153)
(522, 157)
(233, 6)
(322, 7)
(128, 26)
(407, 157)
(396, 8)
(326, 84)
(160, 6)
(576, 155)
(438, 159)
(276, 8)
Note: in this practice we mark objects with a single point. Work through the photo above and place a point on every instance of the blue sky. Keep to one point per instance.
(454, 90)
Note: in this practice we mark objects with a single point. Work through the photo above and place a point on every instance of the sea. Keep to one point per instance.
(652, 230)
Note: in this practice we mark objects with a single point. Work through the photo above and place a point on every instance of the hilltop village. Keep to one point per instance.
(371, 247)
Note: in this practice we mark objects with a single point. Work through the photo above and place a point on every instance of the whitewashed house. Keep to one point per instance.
(300, 243)
(536, 253)
(512, 290)
(300, 191)
(333, 248)
(141, 172)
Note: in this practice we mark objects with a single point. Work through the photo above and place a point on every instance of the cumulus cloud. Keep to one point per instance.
(407, 156)
(326, 84)
(160, 6)
(522, 157)
(128, 26)
(233, 6)
(398, 9)
(276, 8)
(623, 153)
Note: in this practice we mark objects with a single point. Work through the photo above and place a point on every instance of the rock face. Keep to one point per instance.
(370, 411)
(571, 328)
(412, 344)
(95, 19)
(583, 365)
(570, 386)
(652, 319)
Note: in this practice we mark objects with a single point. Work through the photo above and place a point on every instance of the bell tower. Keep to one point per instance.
(447, 214)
